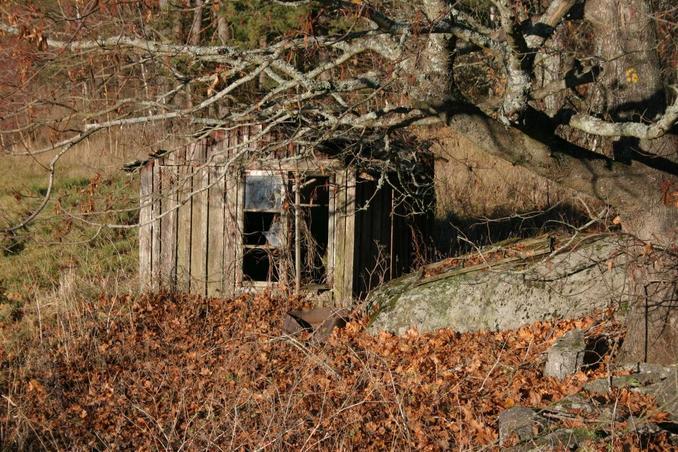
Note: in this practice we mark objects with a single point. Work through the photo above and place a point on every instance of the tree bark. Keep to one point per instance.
(431, 65)
(624, 41)
(223, 32)
(631, 89)
(652, 320)
(196, 27)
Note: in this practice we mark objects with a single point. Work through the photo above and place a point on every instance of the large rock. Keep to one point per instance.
(590, 275)
(643, 376)
(661, 382)
(566, 356)
(520, 421)
(666, 393)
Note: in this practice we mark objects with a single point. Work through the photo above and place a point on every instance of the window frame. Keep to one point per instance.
(290, 177)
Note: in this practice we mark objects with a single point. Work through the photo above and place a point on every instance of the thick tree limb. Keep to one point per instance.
(596, 126)
(216, 53)
(544, 27)
(518, 80)
(556, 11)
(634, 189)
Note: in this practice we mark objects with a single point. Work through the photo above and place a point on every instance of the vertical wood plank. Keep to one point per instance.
(243, 141)
(329, 270)
(184, 215)
(231, 241)
(349, 244)
(240, 220)
(379, 246)
(230, 221)
(297, 235)
(145, 226)
(340, 239)
(199, 222)
(364, 249)
(157, 238)
(405, 241)
(255, 146)
(168, 228)
(215, 232)
(392, 218)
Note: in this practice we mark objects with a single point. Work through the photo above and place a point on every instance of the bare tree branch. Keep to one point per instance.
(543, 28)
(599, 127)
(518, 80)
(325, 87)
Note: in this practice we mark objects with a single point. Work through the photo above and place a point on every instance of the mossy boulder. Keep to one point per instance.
(587, 275)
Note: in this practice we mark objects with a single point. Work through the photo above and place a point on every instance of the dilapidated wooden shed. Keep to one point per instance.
(225, 215)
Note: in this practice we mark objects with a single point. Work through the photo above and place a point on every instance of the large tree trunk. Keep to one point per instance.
(652, 323)
(630, 89)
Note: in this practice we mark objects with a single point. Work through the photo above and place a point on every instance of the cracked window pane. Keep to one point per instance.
(264, 192)
(264, 228)
(275, 235)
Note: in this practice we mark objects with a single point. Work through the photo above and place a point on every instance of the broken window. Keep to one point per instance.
(286, 218)
(265, 226)
(264, 191)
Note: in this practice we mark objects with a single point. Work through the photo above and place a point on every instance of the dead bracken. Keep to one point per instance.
(165, 371)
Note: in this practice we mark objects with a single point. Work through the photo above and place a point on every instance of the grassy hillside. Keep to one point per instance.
(66, 243)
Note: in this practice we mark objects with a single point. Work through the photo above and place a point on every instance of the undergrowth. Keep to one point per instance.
(168, 372)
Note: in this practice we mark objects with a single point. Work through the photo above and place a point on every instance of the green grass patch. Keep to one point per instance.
(67, 238)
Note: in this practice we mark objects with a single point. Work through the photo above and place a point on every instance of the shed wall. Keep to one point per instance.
(383, 237)
(189, 211)
(191, 219)
(190, 235)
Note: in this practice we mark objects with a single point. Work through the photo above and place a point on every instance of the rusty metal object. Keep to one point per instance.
(320, 322)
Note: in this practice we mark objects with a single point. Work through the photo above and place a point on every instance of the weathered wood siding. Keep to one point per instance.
(146, 227)
(344, 237)
(384, 243)
(188, 235)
